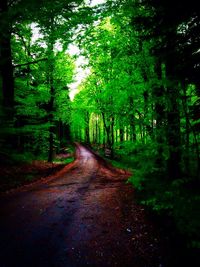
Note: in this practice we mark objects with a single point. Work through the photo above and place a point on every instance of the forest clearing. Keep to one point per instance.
(99, 133)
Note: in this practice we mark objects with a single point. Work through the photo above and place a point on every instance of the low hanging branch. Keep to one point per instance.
(29, 63)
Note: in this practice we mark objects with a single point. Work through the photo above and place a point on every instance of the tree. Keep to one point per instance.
(34, 89)
(15, 24)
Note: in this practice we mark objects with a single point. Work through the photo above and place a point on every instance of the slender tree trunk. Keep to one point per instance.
(116, 136)
(174, 141)
(93, 133)
(6, 72)
(7, 76)
(104, 136)
(52, 128)
(99, 129)
(6, 60)
(112, 130)
(196, 132)
(160, 117)
(108, 134)
(132, 121)
(173, 121)
(66, 132)
(121, 134)
(97, 135)
(187, 131)
(87, 128)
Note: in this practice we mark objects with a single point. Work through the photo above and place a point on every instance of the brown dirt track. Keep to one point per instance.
(85, 215)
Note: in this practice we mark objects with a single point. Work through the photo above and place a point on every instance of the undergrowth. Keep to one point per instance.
(178, 199)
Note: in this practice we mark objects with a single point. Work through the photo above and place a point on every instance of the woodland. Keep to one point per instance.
(139, 105)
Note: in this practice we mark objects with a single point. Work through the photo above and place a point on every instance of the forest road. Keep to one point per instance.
(85, 216)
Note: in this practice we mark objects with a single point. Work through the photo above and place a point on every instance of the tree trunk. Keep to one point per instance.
(187, 131)
(173, 121)
(6, 60)
(52, 128)
(7, 79)
(121, 134)
(96, 132)
(108, 134)
(160, 117)
(87, 128)
(132, 121)
(112, 130)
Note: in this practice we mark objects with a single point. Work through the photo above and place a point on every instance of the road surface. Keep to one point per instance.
(85, 215)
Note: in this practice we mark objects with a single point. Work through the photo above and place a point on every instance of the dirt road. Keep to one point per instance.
(84, 216)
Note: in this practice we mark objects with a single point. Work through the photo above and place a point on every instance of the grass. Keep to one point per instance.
(64, 160)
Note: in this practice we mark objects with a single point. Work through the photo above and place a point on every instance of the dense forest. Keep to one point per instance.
(139, 106)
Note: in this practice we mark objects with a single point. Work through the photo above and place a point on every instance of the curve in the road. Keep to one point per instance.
(84, 216)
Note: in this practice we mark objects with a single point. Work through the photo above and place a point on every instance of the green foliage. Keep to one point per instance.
(139, 103)
(64, 160)
(33, 92)
(175, 199)
(138, 95)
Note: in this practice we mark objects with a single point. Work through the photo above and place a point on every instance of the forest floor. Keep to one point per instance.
(16, 175)
(83, 215)
(21, 173)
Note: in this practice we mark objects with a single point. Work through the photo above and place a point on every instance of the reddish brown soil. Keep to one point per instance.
(85, 215)
(12, 176)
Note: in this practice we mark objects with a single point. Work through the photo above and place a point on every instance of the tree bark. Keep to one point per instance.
(173, 121)
(8, 139)
(6, 60)
(30, 63)
(160, 117)
(108, 134)
(132, 121)
(87, 128)
(52, 128)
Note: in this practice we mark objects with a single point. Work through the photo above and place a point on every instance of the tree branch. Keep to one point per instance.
(29, 63)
